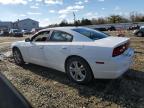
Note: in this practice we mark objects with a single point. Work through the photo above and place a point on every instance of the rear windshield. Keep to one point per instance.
(90, 33)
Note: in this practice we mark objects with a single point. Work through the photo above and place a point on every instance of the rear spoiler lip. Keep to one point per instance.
(124, 42)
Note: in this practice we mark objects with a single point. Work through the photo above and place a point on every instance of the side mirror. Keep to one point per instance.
(27, 40)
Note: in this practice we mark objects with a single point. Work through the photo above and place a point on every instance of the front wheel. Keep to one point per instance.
(139, 34)
(78, 70)
(18, 57)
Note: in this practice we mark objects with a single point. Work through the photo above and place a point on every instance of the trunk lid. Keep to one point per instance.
(112, 42)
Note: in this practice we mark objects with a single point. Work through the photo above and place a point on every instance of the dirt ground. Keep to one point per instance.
(11, 39)
(48, 88)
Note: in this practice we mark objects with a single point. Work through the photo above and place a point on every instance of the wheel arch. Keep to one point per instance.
(21, 62)
(77, 56)
(16, 47)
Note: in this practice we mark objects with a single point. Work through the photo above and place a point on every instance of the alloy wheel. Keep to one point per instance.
(77, 71)
(17, 56)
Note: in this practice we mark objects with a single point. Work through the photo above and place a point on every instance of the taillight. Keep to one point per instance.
(120, 49)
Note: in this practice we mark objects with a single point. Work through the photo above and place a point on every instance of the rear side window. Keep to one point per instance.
(90, 33)
(59, 36)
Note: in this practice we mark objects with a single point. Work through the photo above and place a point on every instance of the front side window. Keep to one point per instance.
(59, 36)
(41, 36)
(92, 34)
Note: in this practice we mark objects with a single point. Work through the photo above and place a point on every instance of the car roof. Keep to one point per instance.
(62, 28)
(77, 36)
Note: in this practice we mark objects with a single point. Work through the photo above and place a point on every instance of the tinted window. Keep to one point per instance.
(92, 34)
(16, 30)
(41, 36)
(59, 36)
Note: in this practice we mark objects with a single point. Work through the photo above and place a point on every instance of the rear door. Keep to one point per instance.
(57, 49)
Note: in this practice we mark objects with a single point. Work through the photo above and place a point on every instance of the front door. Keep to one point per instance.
(36, 48)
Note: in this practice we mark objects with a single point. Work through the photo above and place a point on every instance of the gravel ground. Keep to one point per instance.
(12, 39)
(48, 88)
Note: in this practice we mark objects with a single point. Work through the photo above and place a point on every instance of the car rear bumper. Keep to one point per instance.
(115, 67)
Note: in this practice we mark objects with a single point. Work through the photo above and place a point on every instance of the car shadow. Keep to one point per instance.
(126, 91)
(138, 52)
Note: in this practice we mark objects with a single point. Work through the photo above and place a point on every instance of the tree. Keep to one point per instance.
(142, 19)
(132, 16)
(115, 19)
(136, 17)
(101, 21)
(53, 25)
(85, 22)
(94, 21)
(64, 23)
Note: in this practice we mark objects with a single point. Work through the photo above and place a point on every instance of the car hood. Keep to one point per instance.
(111, 41)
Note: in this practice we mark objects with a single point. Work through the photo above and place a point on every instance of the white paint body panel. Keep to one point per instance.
(54, 54)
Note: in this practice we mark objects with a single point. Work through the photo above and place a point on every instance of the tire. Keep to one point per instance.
(18, 57)
(140, 34)
(78, 70)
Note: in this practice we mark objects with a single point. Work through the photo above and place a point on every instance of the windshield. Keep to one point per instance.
(16, 30)
(92, 34)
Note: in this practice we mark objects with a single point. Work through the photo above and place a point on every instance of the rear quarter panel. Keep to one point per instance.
(92, 53)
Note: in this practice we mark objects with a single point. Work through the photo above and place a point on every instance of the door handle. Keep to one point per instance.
(64, 47)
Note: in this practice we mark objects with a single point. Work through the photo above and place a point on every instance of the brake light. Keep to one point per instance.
(120, 49)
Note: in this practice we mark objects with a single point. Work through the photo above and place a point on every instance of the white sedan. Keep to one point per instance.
(81, 52)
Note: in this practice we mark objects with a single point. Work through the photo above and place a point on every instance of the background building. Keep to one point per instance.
(6, 25)
(27, 24)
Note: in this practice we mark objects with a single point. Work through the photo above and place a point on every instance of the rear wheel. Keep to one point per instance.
(18, 57)
(78, 70)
